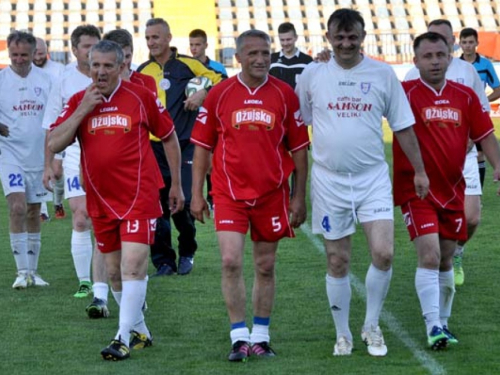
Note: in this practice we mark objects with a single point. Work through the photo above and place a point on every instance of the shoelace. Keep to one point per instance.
(375, 338)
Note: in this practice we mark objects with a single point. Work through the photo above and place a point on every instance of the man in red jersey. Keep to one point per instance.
(124, 39)
(252, 124)
(447, 114)
(112, 120)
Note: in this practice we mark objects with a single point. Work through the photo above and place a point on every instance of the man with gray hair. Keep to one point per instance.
(242, 121)
(25, 91)
(112, 120)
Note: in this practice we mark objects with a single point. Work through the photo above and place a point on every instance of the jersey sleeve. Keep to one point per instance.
(54, 105)
(412, 74)
(204, 132)
(297, 135)
(397, 108)
(302, 91)
(493, 80)
(480, 121)
(160, 123)
(478, 87)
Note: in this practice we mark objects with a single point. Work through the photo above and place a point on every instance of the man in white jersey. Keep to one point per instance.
(345, 100)
(24, 94)
(462, 72)
(77, 78)
(55, 71)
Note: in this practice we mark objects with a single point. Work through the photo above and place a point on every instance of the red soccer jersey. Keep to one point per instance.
(444, 122)
(251, 132)
(144, 80)
(119, 168)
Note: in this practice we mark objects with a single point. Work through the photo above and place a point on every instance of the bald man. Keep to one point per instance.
(54, 70)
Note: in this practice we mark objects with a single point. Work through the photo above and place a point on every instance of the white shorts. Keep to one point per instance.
(471, 175)
(71, 166)
(339, 200)
(16, 180)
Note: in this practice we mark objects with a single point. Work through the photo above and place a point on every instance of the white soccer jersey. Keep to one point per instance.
(462, 72)
(22, 105)
(71, 82)
(54, 69)
(345, 108)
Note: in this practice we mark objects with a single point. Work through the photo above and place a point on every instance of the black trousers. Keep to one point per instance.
(162, 251)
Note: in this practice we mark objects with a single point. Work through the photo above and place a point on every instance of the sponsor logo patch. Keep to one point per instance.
(108, 122)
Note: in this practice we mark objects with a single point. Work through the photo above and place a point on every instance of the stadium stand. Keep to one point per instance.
(390, 24)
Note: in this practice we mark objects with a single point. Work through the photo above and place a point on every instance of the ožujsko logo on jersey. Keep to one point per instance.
(253, 116)
(443, 115)
(109, 121)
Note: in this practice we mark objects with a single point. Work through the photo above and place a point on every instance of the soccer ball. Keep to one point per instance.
(196, 84)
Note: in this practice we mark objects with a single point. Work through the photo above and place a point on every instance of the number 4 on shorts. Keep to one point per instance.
(325, 223)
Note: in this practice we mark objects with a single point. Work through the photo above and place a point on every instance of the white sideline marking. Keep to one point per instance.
(390, 320)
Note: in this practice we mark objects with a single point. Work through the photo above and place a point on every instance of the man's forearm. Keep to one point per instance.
(201, 163)
(300, 159)
(409, 144)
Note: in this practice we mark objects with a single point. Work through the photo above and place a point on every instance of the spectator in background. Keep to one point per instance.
(289, 63)
(198, 45)
(469, 41)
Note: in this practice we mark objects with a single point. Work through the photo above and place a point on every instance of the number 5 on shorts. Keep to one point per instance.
(276, 223)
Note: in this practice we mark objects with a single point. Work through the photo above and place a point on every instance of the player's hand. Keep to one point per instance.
(323, 56)
(199, 208)
(48, 179)
(421, 182)
(297, 211)
(91, 98)
(195, 101)
(175, 199)
(496, 178)
(4, 130)
(470, 144)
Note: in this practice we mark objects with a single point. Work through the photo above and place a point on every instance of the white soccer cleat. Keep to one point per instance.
(374, 341)
(21, 281)
(36, 280)
(342, 347)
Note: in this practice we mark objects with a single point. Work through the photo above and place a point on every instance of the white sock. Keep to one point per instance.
(19, 246)
(427, 286)
(133, 296)
(59, 191)
(81, 250)
(117, 296)
(100, 291)
(34, 245)
(240, 334)
(43, 209)
(260, 333)
(446, 293)
(459, 251)
(338, 291)
(377, 285)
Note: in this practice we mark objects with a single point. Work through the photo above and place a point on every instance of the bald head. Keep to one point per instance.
(40, 58)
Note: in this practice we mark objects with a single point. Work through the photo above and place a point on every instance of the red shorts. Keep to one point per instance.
(423, 217)
(110, 233)
(267, 215)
